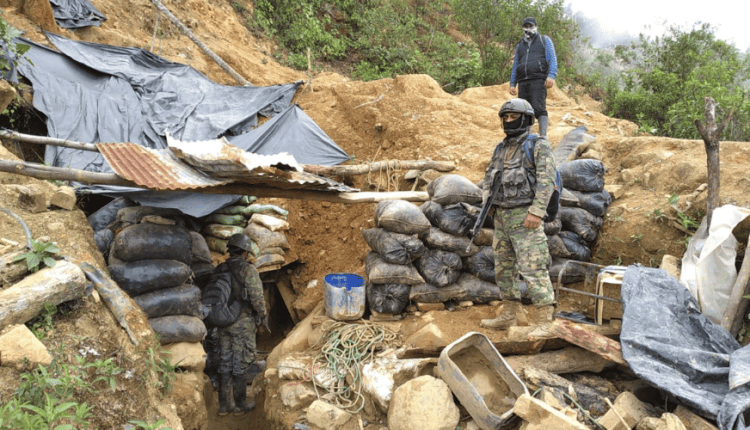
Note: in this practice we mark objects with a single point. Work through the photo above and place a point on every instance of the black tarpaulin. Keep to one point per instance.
(100, 93)
(669, 343)
(76, 13)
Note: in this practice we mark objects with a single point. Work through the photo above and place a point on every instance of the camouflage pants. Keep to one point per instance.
(519, 250)
(237, 346)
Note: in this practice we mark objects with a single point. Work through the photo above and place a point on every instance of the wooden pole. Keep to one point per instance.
(711, 134)
(200, 44)
(587, 339)
(42, 140)
(362, 169)
(41, 171)
(736, 308)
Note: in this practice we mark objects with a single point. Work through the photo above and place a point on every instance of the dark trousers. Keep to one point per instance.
(535, 92)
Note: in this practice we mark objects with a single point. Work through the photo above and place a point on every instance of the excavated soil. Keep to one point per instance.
(405, 118)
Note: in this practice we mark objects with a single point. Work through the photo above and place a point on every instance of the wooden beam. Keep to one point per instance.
(737, 305)
(43, 140)
(587, 339)
(362, 169)
(572, 359)
(41, 171)
(287, 294)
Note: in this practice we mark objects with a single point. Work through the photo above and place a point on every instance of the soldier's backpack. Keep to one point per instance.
(223, 308)
(553, 207)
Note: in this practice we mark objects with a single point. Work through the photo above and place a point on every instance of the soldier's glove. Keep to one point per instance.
(262, 320)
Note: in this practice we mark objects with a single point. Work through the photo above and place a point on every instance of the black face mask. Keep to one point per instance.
(515, 127)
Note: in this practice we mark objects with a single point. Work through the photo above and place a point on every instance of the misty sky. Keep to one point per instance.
(728, 17)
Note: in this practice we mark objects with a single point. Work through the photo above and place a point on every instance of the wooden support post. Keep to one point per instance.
(736, 308)
(594, 342)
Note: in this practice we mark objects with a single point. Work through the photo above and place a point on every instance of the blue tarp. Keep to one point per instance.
(100, 93)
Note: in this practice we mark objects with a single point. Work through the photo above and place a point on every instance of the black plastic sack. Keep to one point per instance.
(154, 242)
(395, 248)
(581, 222)
(439, 268)
(134, 214)
(453, 219)
(380, 271)
(107, 214)
(578, 248)
(573, 271)
(583, 175)
(103, 239)
(437, 239)
(178, 328)
(595, 203)
(199, 248)
(182, 300)
(669, 343)
(567, 198)
(202, 273)
(400, 216)
(139, 277)
(388, 298)
(553, 227)
(481, 264)
(467, 287)
(451, 189)
(567, 149)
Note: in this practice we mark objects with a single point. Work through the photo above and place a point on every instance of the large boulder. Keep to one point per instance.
(424, 403)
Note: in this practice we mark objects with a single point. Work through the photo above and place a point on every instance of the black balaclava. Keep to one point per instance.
(516, 127)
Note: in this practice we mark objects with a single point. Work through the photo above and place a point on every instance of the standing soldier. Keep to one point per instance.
(527, 181)
(237, 306)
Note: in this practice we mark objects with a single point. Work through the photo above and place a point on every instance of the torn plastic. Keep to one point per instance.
(669, 343)
(708, 268)
(76, 13)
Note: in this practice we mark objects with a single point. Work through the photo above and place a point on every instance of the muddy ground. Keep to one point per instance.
(405, 118)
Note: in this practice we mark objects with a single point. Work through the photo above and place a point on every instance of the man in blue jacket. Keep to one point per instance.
(534, 70)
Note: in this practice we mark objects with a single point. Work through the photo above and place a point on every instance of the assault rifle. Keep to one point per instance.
(486, 206)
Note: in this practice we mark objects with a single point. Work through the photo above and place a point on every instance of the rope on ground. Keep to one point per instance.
(344, 348)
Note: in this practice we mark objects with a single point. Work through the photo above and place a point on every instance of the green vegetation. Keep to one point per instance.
(43, 322)
(7, 33)
(40, 253)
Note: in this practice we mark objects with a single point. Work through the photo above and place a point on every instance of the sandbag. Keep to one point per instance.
(451, 189)
(139, 277)
(266, 238)
(567, 198)
(273, 250)
(217, 245)
(134, 214)
(581, 222)
(269, 260)
(231, 210)
(226, 219)
(182, 300)
(199, 248)
(583, 175)
(270, 222)
(202, 273)
(103, 239)
(438, 239)
(595, 203)
(400, 216)
(388, 298)
(439, 268)
(567, 149)
(222, 231)
(572, 272)
(485, 237)
(453, 219)
(269, 209)
(468, 287)
(481, 264)
(178, 328)
(107, 214)
(153, 242)
(576, 246)
(395, 248)
(380, 271)
(553, 227)
(557, 247)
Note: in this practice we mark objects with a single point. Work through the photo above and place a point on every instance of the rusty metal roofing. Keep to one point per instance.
(162, 170)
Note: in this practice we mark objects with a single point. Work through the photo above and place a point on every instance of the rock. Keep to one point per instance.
(7, 93)
(666, 422)
(429, 336)
(186, 355)
(547, 397)
(426, 307)
(64, 197)
(691, 420)
(379, 377)
(616, 191)
(21, 350)
(542, 416)
(32, 198)
(424, 403)
(671, 264)
(187, 392)
(297, 396)
(630, 409)
(326, 416)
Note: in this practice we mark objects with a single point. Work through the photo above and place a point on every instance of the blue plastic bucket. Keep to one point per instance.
(344, 296)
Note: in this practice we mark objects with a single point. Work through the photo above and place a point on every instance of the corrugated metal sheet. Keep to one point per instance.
(162, 170)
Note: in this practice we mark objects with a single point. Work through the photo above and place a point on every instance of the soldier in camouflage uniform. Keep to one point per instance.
(520, 205)
(237, 341)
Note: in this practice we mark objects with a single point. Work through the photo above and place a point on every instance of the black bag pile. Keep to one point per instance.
(151, 258)
(584, 203)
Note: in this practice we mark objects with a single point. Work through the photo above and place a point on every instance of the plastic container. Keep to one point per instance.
(482, 380)
(344, 296)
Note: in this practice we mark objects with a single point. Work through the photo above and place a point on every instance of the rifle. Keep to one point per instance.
(486, 206)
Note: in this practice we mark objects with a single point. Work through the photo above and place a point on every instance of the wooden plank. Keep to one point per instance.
(587, 339)
(287, 293)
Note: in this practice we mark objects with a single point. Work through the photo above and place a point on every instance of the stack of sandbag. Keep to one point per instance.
(225, 222)
(452, 269)
(150, 258)
(584, 203)
(266, 228)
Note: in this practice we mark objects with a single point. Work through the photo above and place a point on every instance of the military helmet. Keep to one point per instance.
(518, 106)
(239, 241)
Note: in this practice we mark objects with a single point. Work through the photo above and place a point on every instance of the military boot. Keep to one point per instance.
(240, 395)
(543, 315)
(224, 390)
(506, 318)
(543, 121)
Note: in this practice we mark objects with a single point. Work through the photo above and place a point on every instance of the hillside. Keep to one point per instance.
(405, 118)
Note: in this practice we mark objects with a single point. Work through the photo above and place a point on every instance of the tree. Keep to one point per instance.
(10, 51)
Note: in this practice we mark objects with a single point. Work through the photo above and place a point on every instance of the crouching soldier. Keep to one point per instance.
(235, 302)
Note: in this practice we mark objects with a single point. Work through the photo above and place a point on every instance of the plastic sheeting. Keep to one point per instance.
(669, 343)
(76, 13)
(100, 93)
